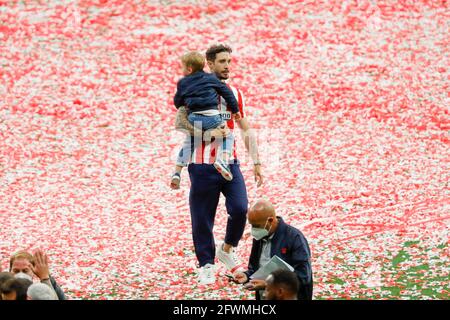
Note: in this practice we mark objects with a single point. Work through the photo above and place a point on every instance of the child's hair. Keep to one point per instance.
(193, 60)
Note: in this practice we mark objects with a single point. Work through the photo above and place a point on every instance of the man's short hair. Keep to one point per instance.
(19, 286)
(21, 255)
(194, 60)
(5, 276)
(212, 52)
(286, 279)
(41, 291)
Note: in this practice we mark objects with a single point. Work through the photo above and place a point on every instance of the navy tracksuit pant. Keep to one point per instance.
(206, 186)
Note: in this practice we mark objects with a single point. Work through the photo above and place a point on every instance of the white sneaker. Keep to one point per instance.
(230, 260)
(207, 274)
(223, 169)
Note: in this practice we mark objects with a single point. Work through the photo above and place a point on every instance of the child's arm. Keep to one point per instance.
(228, 95)
(178, 100)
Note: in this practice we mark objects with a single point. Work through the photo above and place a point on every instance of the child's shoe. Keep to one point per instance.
(175, 182)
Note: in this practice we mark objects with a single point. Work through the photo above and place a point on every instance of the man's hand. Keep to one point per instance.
(255, 285)
(240, 277)
(237, 116)
(258, 175)
(40, 267)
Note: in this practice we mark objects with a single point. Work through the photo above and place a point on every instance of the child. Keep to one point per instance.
(198, 92)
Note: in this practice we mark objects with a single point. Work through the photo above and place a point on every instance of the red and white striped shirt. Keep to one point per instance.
(207, 152)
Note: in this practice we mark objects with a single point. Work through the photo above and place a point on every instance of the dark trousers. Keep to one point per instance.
(206, 186)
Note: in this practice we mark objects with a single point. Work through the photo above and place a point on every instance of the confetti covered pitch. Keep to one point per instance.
(350, 102)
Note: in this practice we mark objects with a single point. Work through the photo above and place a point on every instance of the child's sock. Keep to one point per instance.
(178, 169)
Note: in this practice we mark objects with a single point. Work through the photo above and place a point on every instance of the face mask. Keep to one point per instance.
(22, 275)
(259, 233)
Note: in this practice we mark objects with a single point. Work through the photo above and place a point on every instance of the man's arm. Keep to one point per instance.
(57, 289)
(252, 147)
(41, 269)
(244, 277)
(300, 260)
(182, 124)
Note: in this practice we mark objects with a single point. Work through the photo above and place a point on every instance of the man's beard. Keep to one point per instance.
(221, 77)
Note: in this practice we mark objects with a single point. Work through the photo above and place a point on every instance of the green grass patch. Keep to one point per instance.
(337, 280)
(400, 257)
(411, 243)
(410, 273)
